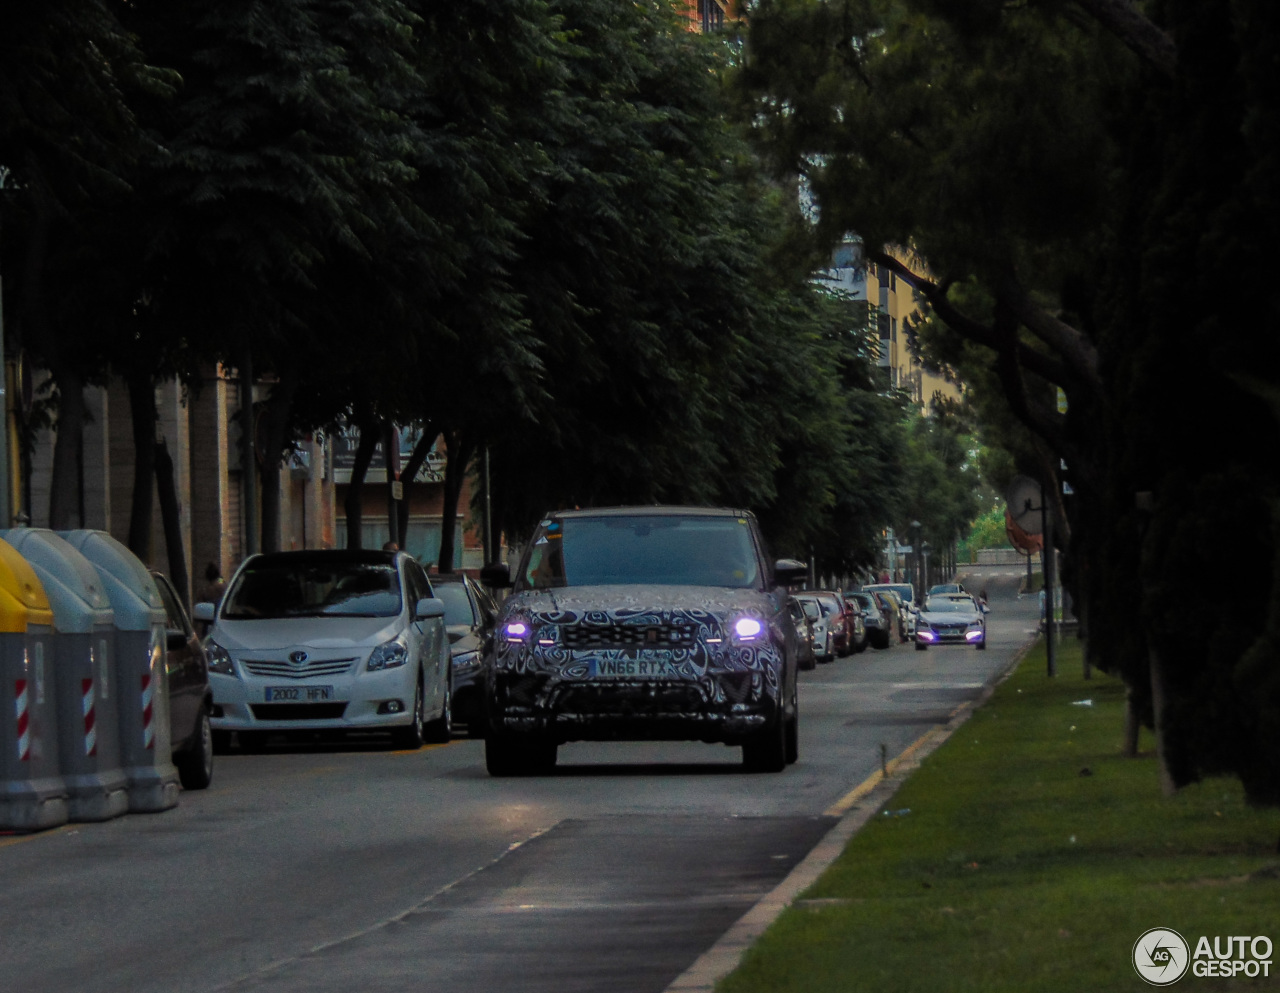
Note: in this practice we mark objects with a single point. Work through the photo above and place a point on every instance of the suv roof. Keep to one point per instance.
(651, 511)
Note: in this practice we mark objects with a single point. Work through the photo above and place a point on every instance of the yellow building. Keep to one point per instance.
(893, 303)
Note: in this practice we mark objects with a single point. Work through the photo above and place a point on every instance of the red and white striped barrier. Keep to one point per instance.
(90, 721)
(20, 703)
(148, 731)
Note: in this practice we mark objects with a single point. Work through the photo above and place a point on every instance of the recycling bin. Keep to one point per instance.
(33, 795)
(142, 699)
(84, 674)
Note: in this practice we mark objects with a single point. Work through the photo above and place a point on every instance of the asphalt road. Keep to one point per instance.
(353, 867)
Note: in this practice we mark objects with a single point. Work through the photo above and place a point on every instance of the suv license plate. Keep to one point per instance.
(634, 669)
(297, 694)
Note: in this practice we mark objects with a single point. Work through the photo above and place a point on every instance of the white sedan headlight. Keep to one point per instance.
(219, 659)
(388, 655)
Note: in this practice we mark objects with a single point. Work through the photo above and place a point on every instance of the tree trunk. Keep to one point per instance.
(410, 471)
(68, 452)
(391, 455)
(1132, 726)
(1167, 786)
(142, 411)
(455, 473)
(248, 459)
(276, 418)
(355, 489)
(170, 517)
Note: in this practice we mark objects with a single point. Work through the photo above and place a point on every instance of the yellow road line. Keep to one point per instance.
(846, 802)
(427, 748)
(19, 839)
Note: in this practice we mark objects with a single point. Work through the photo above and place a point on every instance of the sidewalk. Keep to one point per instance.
(1026, 854)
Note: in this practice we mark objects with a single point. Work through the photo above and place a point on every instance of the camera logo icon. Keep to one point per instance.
(1161, 956)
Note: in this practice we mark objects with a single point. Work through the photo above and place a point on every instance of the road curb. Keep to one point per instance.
(855, 809)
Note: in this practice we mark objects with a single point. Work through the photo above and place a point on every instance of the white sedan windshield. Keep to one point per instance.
(298, 589)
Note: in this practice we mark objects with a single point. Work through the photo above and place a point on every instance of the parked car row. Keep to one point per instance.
(835, 625)
(625, 623)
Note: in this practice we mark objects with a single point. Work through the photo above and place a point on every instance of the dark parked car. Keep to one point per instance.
(190, 699)
(896, 610)
(469, 615)
(879, 621)
(659, 623)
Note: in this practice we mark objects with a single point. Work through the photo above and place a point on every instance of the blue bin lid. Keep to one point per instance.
(129, 586)
(75, 590)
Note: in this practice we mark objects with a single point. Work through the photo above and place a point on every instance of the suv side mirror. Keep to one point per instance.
(496, 575)
(790, 572)
(203, 612)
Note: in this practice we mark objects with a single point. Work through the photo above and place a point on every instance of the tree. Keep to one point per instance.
(1079, 185)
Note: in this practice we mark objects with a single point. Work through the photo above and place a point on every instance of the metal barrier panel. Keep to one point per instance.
(142, 703)
(85, 680)
(33, 795)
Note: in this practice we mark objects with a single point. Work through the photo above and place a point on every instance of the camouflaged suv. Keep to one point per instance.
(653, 623)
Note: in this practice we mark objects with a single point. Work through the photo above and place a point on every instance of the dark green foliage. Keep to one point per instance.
(1097, 223)
(532, 224)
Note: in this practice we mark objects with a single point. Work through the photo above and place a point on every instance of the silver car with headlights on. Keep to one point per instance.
(652, 623)
(951, 619)
(343, 640)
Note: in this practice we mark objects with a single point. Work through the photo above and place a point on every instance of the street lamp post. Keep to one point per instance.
(915, 548)
(924, 571)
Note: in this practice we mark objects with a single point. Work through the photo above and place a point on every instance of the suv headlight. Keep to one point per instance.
(517, 629)
(219, 659)
(466, 661)
(749, 630)
(388, 655)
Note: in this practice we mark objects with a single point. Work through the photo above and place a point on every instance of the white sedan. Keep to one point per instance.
(335, 640)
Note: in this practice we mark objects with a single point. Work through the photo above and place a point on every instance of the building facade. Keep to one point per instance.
(199, 427)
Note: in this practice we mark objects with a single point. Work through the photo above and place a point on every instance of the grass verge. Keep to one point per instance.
(1032, 857)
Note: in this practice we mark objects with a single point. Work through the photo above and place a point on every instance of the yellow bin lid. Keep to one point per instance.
(22, 598)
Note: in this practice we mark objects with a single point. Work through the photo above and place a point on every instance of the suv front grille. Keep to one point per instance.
(592, 636)
(284, 669)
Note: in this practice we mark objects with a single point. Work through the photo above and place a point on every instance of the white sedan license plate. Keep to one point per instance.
(297, 694)
(634, 669)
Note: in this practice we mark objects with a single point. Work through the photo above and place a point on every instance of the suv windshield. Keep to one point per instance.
(311, 589)
(656, 549)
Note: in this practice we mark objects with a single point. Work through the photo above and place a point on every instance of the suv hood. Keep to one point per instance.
(572, 603)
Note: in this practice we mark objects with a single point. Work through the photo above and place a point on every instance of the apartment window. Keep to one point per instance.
(893, 329)
(711, 15)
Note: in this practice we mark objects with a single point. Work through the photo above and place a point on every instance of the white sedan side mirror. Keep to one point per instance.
(428, 607)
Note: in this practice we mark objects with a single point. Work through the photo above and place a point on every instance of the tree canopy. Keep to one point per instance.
(535, 226)
(1079, 191)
